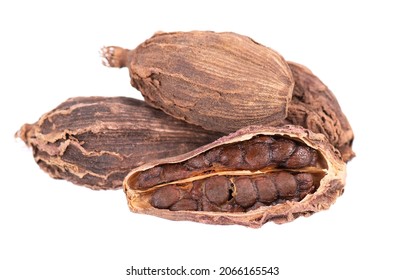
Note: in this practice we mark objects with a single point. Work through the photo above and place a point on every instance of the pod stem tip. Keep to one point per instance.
(113, 56)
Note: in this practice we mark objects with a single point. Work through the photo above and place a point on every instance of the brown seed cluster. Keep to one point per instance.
(261, 152)
(235, 194)
(237, 177)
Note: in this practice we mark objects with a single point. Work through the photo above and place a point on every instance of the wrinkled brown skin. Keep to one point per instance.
(225, 81)
(331, 185)
(96, 141)
(219, 81)
(314, 106)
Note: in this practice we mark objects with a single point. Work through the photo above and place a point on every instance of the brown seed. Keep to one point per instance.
(174, 172)
(212, 156)
(285, 184)
(281, 150)
(231, 156)
(217, 189)
(304, 180)
(150, 177)
(165, 197)
(185, 204)
(245, 194)
(197, 162)
(301, 157)
(206, 205)
(197, 189)
(257, 155)
(266, 189)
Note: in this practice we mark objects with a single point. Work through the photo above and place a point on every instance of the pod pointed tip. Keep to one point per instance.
(113, 56)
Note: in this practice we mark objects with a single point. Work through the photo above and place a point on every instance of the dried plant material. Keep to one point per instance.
(225, 81)
(96, 141)
(314, 106)
(220, 81)
(286, 159)
(255, 175)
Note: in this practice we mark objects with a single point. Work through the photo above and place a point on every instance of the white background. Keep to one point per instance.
(53, 229)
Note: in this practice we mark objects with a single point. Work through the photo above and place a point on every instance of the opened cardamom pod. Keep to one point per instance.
(96, 141)
(220, 81)
(255, 175)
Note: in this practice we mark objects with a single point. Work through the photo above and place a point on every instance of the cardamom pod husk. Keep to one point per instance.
(314, 106)
(226, 81)
(219, 81)
(96, 141)
(255, 175)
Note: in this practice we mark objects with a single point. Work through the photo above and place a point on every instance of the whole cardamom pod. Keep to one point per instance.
(226, 81)
(314, 106)
(220, 81)
(96, 141)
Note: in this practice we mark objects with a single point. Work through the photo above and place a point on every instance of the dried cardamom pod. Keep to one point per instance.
(314, 106)
(255, 175)
(96, 141)
(225, 81)
(220, 81)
